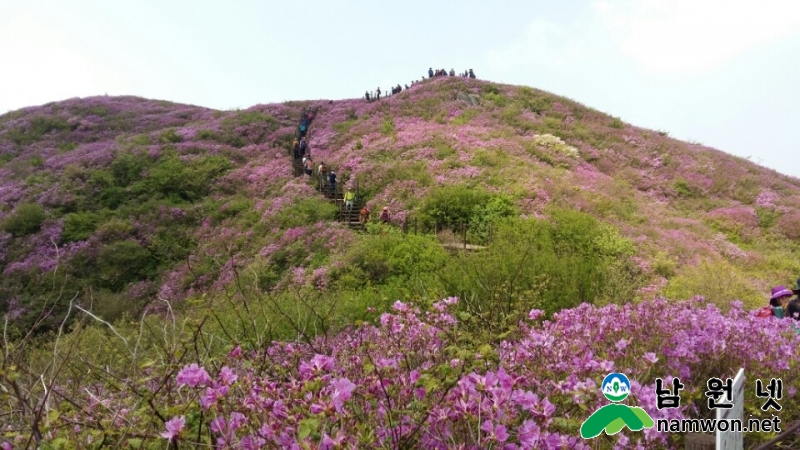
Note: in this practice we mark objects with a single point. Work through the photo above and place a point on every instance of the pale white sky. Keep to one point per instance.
(720, 72)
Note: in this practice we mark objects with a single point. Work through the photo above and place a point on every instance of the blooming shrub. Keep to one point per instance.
(555, 143)
(413, 380)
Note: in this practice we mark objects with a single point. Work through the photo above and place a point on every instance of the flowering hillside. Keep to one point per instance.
(141, 241)
(141, 200)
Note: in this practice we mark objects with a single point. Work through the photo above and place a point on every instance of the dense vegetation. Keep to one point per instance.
(138, 237)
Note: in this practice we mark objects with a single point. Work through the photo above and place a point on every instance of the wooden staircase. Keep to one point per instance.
(351, 217)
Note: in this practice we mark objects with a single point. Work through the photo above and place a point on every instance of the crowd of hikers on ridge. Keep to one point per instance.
(376, 94)
(327, 177)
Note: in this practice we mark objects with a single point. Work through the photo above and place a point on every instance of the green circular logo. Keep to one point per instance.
(616, 387)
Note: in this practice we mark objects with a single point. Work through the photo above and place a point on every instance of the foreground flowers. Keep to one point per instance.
(415, 381)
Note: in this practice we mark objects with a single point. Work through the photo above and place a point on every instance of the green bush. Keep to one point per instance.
(718, 281)
(451, 206)
(534, 102)
(128, 168)
(497, 99)
(546, 264)
(684, 189)
(390, 258)
(305, 212)
(123, 262)
(169, 137)
(767, 217)
(387, 126)
(37, 128)
(343, 127)
(178, 181)
(25, 220)
(79, 226)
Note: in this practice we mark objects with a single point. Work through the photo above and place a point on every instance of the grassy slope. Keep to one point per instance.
(705, 222)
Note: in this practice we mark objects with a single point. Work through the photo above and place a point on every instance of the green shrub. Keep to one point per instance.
(616, 123)
(37, 128)
(390, 257)
(498, 99)
(530, 100)
(36, 161)
(465, 116)
(173, 179)
(79, 226)
(717, 281)
(451, 206)
(128, 168)
(305, 212)
(767, 217)
(255, 117)
(123, 262)
(387, 126)
(25, 220)
(684, 189)
(343, 127)
(547, 264)
(169, 137)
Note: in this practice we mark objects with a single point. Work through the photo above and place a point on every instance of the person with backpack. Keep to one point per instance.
(384, 217)
(303, 146)
(332, 182)
(363, 215)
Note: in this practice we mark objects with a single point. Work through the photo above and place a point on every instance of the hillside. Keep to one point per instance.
(147, 199)
(210, 294)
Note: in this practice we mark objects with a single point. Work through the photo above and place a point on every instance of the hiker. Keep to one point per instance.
(309, 167)
(322, 171)
(793, 307)
(296, 151)
(303, 146)
(777, 303)
(384, 217)
(363, 215)
(379, 94)
(332, 181)
(349, 196)
(366, 94)
(295, 146)
(430, 72)
(471, 73)
(407, 85)
(452, 72)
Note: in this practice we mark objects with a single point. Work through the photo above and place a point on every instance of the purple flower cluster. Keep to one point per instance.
(407, 381)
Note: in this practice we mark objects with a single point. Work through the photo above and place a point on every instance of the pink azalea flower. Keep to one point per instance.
(174, 427)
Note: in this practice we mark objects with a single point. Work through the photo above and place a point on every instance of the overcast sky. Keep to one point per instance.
(724, 73)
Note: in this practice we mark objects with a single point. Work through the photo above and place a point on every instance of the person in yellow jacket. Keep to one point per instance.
(349, 197)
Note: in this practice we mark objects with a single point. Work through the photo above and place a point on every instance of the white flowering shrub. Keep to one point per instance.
(555, 143)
